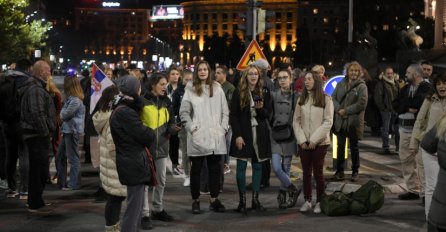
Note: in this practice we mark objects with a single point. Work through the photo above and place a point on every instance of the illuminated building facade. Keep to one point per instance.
(115, 33)
(208, 17)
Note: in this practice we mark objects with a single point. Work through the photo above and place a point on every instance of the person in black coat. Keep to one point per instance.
(251, 108)
(131, 138)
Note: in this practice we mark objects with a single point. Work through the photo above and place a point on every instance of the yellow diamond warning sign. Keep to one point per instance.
(251, 54)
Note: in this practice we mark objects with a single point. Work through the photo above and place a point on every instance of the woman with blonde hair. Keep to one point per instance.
(72, 115)
(251, 108)
(56, 137)
(350, 101)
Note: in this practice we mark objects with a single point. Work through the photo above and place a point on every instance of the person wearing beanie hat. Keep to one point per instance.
(131, 138)
(261, 63)
(129, 86)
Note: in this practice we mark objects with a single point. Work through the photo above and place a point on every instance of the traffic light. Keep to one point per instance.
(264, 18)
(245, 22)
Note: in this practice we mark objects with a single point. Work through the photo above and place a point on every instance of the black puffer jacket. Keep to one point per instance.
(131, 137)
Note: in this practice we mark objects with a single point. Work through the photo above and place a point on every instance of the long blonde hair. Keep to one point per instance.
(72, 87)
(50, 86)
(245, 98)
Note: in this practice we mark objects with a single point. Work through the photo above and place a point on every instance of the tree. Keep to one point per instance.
(17, 37)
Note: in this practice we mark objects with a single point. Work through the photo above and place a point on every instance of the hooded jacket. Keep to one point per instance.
(107, 152)
(157, 115)
(206, 120)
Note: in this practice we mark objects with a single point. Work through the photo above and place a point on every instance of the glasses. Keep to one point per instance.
(283, 78)
(253, 74)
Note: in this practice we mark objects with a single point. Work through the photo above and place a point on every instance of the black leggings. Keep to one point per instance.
(214, 172)
(113, 209)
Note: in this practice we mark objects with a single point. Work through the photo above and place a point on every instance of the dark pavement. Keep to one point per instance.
(77, 211)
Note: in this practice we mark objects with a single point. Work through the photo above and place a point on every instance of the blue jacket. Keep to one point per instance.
(72, 115)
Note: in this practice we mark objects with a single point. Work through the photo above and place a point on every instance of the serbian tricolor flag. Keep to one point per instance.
(99, 81)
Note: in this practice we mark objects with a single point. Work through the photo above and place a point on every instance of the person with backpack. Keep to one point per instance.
(283, 145)
(313, 119)
(37, 123)
(16, 148)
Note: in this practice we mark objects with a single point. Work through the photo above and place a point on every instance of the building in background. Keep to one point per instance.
(208, 21)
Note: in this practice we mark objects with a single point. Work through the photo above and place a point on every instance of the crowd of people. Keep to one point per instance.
(211, 117)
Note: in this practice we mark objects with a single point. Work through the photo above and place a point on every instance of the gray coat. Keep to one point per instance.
(283, 106)
(433, 144)
(354, 103)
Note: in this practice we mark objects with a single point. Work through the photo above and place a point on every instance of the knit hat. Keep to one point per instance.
(129, 85)
(261, 64)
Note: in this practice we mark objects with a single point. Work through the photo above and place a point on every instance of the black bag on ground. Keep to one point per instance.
(282, 133)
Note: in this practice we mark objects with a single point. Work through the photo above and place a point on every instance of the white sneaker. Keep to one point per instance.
(305, 207)
(317, 208)
(186, 182)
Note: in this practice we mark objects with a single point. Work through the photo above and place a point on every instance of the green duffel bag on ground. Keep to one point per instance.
(367, 199)
(335, 204)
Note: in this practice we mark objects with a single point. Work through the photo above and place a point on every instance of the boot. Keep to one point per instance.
(281, 199)
(255, 203)
(242, 203)
(293, 192)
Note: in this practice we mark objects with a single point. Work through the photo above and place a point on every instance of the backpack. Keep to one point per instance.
(367, 199)
(9, 99)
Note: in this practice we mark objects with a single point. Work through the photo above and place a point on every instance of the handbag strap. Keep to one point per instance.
(348, 91)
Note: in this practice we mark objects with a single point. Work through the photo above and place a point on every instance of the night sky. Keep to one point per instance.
(56, 8)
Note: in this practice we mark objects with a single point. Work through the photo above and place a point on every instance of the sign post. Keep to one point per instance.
(252, 53)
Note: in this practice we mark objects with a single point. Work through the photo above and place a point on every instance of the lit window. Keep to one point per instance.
(325, 20)
(315, 11)
(385, 27)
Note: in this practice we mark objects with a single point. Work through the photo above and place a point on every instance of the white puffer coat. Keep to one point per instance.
(108, 172)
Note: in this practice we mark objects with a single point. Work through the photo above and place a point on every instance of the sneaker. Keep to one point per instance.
(205, 192)
(177, 171)
(355, 176)
(196, 207)
(217, 206)
(162, 216)
(186, 182)
(408, 196)
(226, 169)
(317, 208)
(40, 211)
(11, 193)
(305, 207)
(338, 176)
(146, 223)
(54, 179)
(23, 196)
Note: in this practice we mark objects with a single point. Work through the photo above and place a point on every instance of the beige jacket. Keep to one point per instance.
(313, 124)
(431, 111)
(107, 170)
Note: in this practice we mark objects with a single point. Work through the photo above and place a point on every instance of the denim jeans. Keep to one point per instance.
(68, 149)
(389, 120)
(281, 167)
